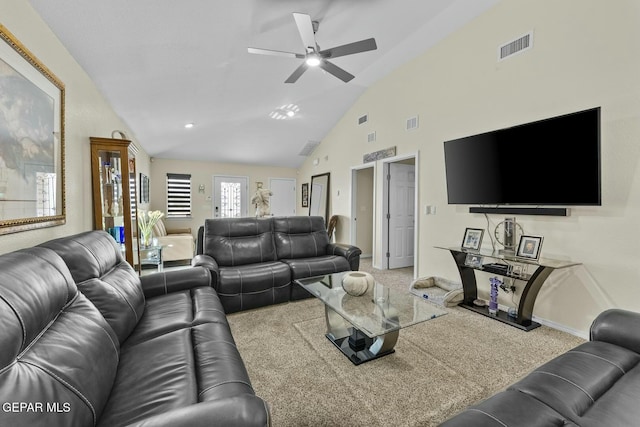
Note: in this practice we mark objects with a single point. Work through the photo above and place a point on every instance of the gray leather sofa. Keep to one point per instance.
(596, 384)
(253, 261)
(86, 342)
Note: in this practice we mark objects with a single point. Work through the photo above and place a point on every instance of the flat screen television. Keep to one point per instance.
(554, 161)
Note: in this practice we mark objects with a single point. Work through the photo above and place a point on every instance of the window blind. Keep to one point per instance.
(178, 195)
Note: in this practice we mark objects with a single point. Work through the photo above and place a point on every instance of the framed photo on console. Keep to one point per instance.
(529, 247)
(472, 239)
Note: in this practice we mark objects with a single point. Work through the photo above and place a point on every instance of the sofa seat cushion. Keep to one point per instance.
(177, 310)
(316, 266)
(176, 370)
(509, 408)
(573, 382)
(253, 285)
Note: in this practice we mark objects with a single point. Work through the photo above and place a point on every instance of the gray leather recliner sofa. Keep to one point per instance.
(596, 384)
(253, 261)
(84, 341)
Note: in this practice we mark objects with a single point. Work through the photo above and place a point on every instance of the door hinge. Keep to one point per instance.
(388, 255)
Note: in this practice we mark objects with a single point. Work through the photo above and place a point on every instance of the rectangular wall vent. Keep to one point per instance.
(308, 148)
(518, 45)
(371, 137)
(412, 123)
(363, 119)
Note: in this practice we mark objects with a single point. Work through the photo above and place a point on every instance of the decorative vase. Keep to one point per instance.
(357, 283)
(146, 239)
(493, 296)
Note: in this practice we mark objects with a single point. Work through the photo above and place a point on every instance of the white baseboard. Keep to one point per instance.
(563, 328)
(552, 324)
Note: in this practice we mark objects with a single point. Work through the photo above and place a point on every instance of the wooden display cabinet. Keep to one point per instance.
(112, 169)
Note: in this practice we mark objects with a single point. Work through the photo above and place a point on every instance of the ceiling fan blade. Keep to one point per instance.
(297, 73)
(350, 48)
(336, 71)
(274, 52)
(305, 28)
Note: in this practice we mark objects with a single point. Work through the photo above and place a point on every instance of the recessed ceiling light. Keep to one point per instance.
(188, 125)
(284, 112)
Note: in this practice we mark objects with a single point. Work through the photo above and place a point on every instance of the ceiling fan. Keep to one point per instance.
(313, 56)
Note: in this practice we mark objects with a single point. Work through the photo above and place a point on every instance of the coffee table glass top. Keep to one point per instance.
(379, 311)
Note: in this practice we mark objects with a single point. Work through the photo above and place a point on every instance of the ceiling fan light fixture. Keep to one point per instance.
(313, 60)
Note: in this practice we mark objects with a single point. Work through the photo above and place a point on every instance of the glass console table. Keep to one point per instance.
(366, 327)
(506, 265)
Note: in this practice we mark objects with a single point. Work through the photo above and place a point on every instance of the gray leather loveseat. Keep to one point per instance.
(84, 341)
(596, 384)
(253, 261)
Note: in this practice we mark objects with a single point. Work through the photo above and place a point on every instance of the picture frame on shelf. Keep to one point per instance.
(472, 239)
(473, 261)
(32, 184)
(529, 247)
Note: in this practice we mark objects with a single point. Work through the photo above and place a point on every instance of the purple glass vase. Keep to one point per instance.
(493, 296)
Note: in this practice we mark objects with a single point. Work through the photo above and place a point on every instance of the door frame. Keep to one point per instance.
(354, 208)
(384, 229)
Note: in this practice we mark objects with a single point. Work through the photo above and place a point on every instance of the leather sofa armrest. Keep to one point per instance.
(164, 283)
(619, 327)
(209, 263)
(351, 253)
(246, 410)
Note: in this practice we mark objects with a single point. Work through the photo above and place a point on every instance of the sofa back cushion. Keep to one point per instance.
(159, 228)
(239, 241)
(102, 274)
(300, 236)
(58, 353)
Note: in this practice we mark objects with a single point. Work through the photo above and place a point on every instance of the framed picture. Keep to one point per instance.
(472, 238)
(305, 195)
(529, 247)
(474, 261)
(144, 188)
(32, 143)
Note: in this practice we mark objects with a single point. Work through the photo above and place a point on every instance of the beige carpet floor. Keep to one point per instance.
(440, 366)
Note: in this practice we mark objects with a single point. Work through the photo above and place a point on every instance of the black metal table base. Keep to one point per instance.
(357, 353)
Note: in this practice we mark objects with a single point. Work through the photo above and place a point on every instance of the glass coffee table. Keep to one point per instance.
(367, 327)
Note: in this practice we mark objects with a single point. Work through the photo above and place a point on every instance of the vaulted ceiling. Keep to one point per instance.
(162, 64)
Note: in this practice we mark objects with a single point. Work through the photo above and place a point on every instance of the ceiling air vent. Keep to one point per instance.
(371, 137)
(412, 123)
(518, 45)
(363, 119)
(308, 148)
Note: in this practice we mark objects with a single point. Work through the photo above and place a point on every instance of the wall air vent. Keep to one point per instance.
(519, 45)
(363, 119)
(412, 123)
(371, 137)
(308, 148)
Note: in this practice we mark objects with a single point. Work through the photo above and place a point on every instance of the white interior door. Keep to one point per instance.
(401, 214)
(283, 200)
(230, 196)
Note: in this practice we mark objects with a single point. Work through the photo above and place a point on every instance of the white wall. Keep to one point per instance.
(202, 173)
(86, 114)
(584, 55)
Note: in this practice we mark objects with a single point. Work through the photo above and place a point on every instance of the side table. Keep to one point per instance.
(151, 255)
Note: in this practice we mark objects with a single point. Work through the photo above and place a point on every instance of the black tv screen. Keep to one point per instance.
(549, 162)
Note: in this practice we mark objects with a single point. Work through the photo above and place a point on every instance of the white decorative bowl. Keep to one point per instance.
(357, 283)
